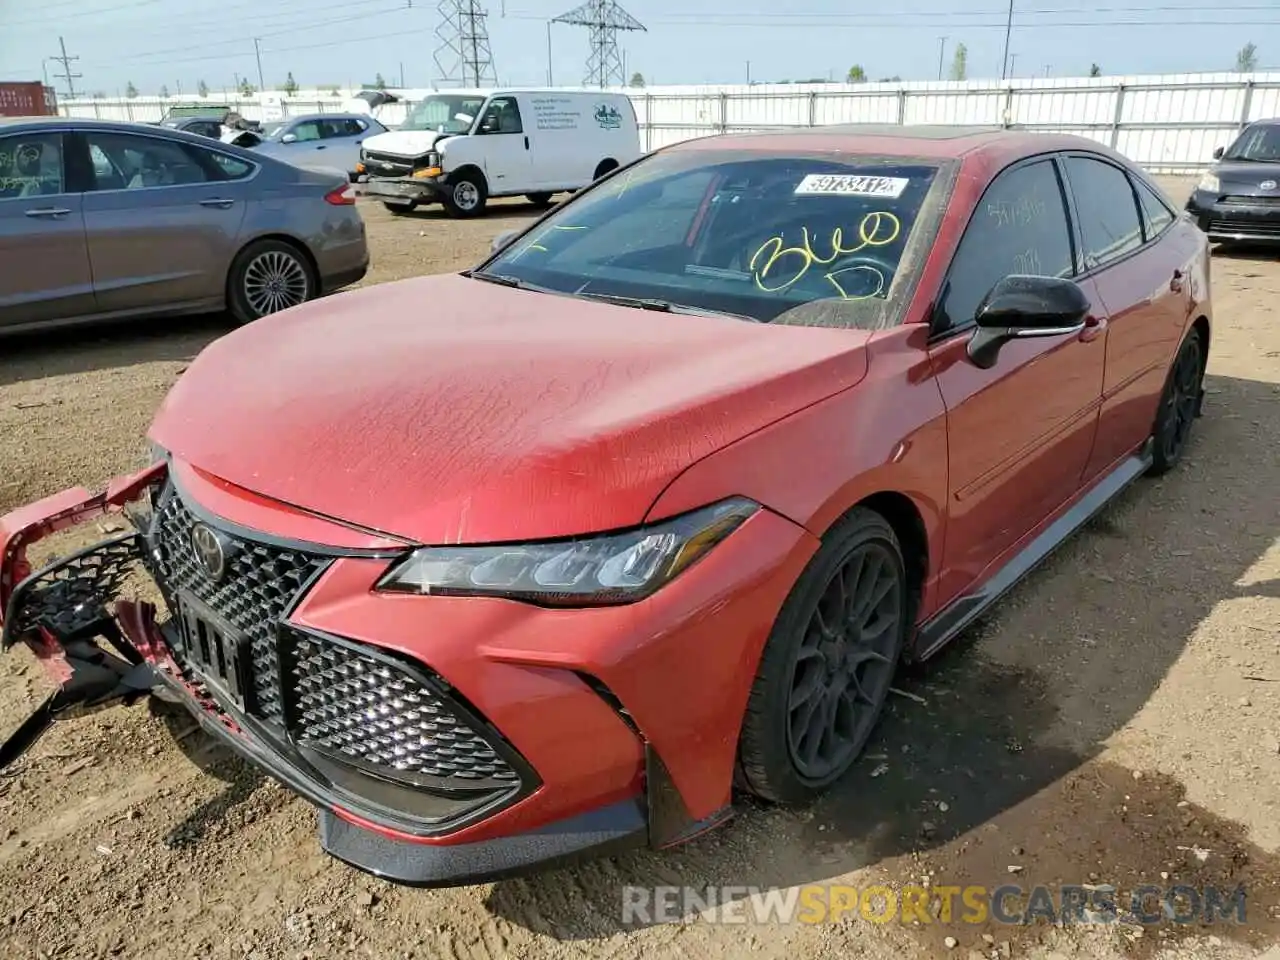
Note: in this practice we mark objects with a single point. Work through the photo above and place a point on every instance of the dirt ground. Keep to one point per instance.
(1114, 721)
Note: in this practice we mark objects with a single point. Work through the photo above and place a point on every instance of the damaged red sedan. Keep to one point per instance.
(549, 557)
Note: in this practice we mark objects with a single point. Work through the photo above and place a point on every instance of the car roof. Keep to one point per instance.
(933, 141)
(325, 116)
(88, 123)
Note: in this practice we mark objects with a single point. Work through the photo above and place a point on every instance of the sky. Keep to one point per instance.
(176, 44)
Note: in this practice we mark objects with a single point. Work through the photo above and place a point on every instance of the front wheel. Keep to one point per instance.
(266, 277)
(466, 195)
(828, 664)
(1179, 405)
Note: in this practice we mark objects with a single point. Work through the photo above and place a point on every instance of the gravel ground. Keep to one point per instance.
(1114, 721)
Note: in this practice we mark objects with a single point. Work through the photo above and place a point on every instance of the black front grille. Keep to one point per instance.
(261, 583)
(387, 165)
(1249, 228)
(71, 594)
(340, 698)
(372, 711)
(1238, 200)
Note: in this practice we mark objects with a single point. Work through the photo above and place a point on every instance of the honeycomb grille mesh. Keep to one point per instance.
(354, 705)
(260, 584)
(72, 595)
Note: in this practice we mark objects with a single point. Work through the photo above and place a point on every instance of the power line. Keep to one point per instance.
(888, 24)
(81, 14)
(144, 58)
(281, 19)
(66, 74)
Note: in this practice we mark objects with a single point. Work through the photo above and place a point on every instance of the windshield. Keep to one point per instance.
(439, 112)
(1257, 143)
(272, 131)
(742, 233)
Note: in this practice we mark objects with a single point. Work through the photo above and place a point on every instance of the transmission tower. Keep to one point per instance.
(605, 18)
(464, 55)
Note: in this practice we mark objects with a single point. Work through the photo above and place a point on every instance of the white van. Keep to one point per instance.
(461, 147)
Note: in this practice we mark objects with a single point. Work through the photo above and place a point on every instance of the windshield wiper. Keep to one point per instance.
(501, 279)
(662, 306)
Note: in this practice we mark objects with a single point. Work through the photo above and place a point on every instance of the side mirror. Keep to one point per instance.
(1022, 306)
(502, 239)
(289, 138)
(1217, 154)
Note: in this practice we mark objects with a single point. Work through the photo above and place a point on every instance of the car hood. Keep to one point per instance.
(403, 143)
(450, 410)
(1245, 178)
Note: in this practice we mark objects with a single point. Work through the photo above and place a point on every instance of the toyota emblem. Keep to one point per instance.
(1267, 185)
(209, 551)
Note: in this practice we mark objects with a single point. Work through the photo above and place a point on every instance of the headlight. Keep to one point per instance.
(1209, 183)
(609, 569)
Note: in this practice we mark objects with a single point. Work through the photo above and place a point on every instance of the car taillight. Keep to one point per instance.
(341, 196)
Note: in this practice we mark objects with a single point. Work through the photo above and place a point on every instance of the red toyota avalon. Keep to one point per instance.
(549, 557)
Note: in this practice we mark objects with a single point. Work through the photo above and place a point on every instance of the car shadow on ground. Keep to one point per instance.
(108, 346)
(1023, 701)
(502, 207)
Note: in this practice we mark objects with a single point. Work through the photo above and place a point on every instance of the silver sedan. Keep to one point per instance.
(322, 139)
(101, 220)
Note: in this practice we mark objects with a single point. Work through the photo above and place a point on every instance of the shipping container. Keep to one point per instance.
(32, 99)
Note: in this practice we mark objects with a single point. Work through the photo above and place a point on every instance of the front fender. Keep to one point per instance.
(886, 433)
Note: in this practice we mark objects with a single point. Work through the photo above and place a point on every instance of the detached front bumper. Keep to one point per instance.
(406, 190)
(435, 759)
(1232, 218)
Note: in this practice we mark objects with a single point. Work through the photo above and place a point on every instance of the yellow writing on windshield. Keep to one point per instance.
(864, 269)
(877, 229)
(536, 242)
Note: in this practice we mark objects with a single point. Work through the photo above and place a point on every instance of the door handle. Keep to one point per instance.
(526, 143)
(1094, 327)
(320, 146)
(1175, 285)
(53, 212)
(220, 204)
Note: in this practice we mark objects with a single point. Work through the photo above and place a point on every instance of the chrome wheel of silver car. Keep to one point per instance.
(276, 280)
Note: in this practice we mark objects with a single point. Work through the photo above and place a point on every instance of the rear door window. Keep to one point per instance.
(1156, 215)
(123, 161)
(1109, 221)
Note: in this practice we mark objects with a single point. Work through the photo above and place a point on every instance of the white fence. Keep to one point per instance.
(1170, 124)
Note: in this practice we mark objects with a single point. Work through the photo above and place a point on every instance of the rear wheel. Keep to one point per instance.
(269, 276)
(466, 195)
(605, 166)
(539, 199)
(1179, 405)
(828, 664)
(399, 209)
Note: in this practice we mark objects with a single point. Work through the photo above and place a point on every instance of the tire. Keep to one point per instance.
(399, 209)
(256, 267)
(771, 755)
(1179, 405)
(539, 199)
(467, 195)
(605, 166)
